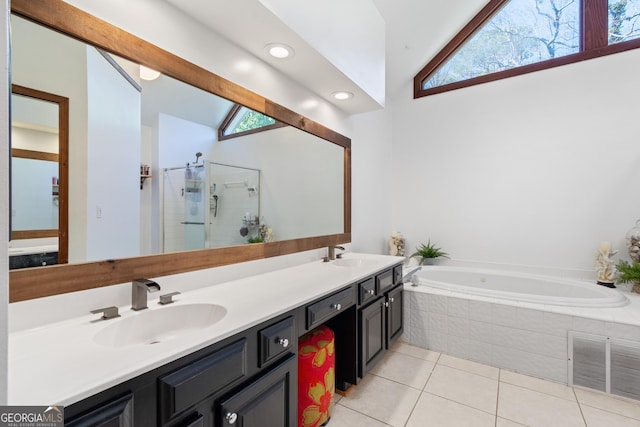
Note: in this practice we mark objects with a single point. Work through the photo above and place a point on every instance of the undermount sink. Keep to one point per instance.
(348, 262)
(159, 325)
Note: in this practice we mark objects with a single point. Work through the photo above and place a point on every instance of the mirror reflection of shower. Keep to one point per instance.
(207, 205)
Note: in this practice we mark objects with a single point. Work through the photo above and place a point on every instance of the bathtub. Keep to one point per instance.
(512, 320)
(521, 287)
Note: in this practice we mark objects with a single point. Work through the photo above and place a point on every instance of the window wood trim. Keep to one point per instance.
(594, 16)
(232, 115)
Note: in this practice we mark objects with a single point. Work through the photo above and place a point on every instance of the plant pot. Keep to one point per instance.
(636, 287)
(428, 261)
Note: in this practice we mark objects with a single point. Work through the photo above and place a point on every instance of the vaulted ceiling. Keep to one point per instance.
(372, 48)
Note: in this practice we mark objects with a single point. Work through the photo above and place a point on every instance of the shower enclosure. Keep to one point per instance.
(209, 205)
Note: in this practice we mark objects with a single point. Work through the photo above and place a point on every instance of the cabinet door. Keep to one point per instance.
(394, 315)
(270, 401)
(115, 413)
(372, 334)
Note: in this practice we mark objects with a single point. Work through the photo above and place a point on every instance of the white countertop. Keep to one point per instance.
(60, 364)
(29, 250)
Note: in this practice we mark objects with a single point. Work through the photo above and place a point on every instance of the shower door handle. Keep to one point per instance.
(192, 223)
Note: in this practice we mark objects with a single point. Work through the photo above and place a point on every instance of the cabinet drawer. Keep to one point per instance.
(185, 387)
(397, 274)
(328, 307)
(366, 291)
(384, 281)
(276, 340)
(117, 412)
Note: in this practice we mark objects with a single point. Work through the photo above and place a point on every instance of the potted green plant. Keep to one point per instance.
(428, 253)
(629, 273)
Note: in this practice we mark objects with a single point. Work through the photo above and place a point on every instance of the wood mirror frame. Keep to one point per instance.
(63, 171)
(30, 283)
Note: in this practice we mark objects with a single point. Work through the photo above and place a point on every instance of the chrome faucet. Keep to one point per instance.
(411, 277)
(139, 290)
(107, 313)
(331, 252)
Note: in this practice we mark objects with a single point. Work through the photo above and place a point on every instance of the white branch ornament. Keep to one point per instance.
(604, 264)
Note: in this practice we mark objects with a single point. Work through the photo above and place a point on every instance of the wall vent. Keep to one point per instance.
(607, 364)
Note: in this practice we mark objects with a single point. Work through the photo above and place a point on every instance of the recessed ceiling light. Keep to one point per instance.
(147, 73)
(342, 95)
(279, 50)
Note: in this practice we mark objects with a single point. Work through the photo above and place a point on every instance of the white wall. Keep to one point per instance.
(36, 63)
(33, 205)
(113, 159)
(372, 187)
(533, 170)
(32, 139)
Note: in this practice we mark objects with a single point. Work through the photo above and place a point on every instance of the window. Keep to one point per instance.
(624, 21)
(513, 37)
(242, 121)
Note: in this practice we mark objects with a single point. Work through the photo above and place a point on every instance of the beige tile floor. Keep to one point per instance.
(414, 387)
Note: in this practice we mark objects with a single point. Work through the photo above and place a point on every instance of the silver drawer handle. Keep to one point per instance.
(391, 300)
(231, 417)
(283, 342)
(371, 291)
(337, 306)
(386, 304)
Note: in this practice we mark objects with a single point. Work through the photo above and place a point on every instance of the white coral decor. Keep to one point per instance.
(604, 264)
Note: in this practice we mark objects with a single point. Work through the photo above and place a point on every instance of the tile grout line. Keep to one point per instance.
(422, 390)
(459, 403)
(584, 420)
(607, 411)
(414, 357)
(495, 422)
(363, 414)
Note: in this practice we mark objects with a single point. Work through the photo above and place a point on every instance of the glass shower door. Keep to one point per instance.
(194, 208)
(184, 208)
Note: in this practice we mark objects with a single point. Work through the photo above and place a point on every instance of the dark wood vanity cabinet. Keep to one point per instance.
(250, 379)
(252, 374)
(394, 306)
(371, 322)
(380, 322)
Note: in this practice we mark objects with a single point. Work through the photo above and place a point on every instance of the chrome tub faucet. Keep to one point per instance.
(139, 290)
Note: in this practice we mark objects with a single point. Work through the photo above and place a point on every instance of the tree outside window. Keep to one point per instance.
(525, 32)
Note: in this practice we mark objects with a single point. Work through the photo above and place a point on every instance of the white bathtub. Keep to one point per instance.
(521, 287)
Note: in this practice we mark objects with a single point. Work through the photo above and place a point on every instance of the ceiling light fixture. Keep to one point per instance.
(279, 50)
(342, 95)
(147, 73)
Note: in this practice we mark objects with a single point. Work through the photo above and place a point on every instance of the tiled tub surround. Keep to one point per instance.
(523, 337)
(59, 362)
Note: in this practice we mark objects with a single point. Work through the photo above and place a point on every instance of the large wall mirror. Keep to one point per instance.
(152, 189)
